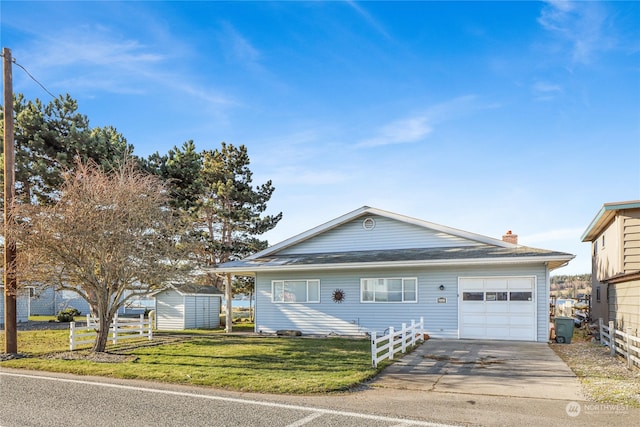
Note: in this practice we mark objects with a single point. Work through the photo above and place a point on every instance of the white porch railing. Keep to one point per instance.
(119, 330)
(625, 344)
(384, 347)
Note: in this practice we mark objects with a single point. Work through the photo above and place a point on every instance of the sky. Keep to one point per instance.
(481, 116)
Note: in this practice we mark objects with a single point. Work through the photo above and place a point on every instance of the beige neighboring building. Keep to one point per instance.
(615, 273)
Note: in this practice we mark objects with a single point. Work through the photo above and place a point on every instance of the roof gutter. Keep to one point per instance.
(554, 262)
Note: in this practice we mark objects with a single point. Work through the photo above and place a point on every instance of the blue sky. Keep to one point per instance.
(486, 117)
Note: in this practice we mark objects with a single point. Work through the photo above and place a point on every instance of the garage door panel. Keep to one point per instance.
(521, 321)
(471, 308)
(520, 283)
(495, 283)
(527, 308)
(475, 332)
(497, 308)
(475, 319)
(497, 332)
(496, 321)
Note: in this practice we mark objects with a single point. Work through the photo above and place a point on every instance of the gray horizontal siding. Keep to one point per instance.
(387, 234)
(22, 305)
(49, 302)
(352, 317)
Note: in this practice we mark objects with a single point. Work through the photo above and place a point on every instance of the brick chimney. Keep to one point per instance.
(509, 237)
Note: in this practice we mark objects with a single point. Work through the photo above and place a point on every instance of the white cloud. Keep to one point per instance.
(241, 48)
(545, 91)
(581, 24)
(417, 127)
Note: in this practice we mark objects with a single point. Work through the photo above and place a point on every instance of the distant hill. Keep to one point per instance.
(566, 286)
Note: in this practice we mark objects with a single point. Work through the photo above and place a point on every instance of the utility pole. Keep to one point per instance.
(10, 277)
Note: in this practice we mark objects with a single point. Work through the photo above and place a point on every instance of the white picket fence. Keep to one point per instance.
(385, 346)
(625, 344)
(119, 330)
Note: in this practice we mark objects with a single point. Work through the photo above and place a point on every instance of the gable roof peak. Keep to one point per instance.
(379, 212)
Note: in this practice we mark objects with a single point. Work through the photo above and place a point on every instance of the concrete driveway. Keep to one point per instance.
(494, 368)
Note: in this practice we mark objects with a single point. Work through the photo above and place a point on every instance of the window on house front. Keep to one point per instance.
(602, 242)
(595, 247)
(598, 294)
(389, 290)
(295, 290)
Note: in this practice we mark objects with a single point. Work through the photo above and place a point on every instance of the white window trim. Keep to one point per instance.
(362, 300)
(275, 301)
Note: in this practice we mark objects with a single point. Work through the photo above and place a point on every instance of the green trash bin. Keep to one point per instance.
(564, 329)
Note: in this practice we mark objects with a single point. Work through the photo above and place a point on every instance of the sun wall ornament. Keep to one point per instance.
(338, 295)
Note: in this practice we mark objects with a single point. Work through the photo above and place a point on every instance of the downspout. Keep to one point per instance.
(547, 287)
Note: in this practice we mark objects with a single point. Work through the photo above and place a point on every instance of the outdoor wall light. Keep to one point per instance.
(442, 287)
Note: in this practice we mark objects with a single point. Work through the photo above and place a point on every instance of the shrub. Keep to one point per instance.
(67, 314)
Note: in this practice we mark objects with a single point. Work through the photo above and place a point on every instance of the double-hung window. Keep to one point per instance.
(389, 290)
(295, 290)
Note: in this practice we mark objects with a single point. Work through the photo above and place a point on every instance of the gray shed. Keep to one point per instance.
(187, 306)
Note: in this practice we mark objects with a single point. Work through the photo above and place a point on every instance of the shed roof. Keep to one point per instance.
(191, 289)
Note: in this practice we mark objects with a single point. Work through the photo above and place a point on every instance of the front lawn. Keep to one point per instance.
(252, 364)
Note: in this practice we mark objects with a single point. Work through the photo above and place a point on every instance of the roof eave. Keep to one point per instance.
(553, 262)
(604, 217)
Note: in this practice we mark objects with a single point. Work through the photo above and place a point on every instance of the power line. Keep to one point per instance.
(13, 60)
(34, 79)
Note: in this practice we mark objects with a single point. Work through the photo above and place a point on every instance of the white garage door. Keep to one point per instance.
(501, 308)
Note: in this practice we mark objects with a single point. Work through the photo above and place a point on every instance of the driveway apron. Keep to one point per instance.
(493, 368)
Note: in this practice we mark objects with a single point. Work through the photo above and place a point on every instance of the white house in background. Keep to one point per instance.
(187, 306)
(371, 269)
(49, 302)
(22, 305)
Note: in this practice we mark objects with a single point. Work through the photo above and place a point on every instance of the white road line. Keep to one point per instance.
(396, 421)
(306, 420)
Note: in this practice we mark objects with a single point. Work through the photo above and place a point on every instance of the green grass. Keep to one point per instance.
(42, 318)
(252, 364)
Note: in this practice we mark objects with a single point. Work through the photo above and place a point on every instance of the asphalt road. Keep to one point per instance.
(46, 399)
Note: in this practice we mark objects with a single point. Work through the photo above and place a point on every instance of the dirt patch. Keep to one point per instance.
(605, 378)
(97, 357)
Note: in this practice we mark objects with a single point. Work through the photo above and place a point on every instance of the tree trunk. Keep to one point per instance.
(100, 344)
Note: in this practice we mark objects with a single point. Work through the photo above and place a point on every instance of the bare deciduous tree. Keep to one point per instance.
(108, 237)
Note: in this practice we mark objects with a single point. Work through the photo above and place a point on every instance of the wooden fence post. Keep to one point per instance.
(72, 332)
(413, 332)
(392, 333)
(114, 329)
(627, 340)
(141, 324)
(601, 330)
(374, 349)
(403, 346)
(612, 338)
